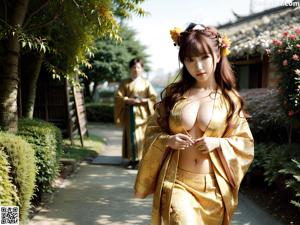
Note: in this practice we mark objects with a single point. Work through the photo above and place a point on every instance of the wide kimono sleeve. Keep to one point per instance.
(155, 151)
(151, 94)
(120, 103)
(236, 149)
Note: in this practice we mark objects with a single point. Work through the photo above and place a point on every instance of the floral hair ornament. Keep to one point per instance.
(175, 35)
(223, 41)
(224, 44)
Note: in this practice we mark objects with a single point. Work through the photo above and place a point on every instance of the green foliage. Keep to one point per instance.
(66, 30)
(30, 41)
(22, 162)
(106, 94)
(46, 140)
(272, 158)
(8, 191)
(286, 57)
(261, 150)
(111, 58)
(100, 112)
(292, 169)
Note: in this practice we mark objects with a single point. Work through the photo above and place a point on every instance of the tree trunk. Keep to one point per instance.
(87, 92)
(31, 67)
(9, 76)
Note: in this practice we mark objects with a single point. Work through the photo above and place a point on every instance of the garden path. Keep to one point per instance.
(103, 194)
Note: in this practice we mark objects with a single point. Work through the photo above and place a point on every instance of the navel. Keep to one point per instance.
(196, 161)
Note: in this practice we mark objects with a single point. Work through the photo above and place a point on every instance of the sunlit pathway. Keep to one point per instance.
(96, 195)
(102, 194)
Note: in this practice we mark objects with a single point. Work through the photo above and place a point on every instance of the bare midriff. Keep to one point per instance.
(192, 159)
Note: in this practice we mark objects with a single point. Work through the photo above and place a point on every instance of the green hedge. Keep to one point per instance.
(8, 191)
(268, 122)
(100, 112)
(46, 140)
(106, 94)
(22, 162)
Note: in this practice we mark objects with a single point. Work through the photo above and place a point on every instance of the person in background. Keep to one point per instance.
(199, 145)
(134, 101)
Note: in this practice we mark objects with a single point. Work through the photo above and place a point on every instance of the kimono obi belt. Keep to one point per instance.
(175, 122)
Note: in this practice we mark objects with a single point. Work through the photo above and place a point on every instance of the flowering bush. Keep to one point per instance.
(285, 55)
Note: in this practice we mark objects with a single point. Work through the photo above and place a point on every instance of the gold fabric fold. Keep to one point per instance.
(196, 200)
(158, 169)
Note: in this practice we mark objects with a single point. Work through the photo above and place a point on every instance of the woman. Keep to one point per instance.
(199, 145)
(134, 101)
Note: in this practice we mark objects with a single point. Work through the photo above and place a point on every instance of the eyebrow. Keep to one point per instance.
(200, 55)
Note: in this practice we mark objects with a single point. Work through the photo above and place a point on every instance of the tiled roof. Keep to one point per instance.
(255, 35)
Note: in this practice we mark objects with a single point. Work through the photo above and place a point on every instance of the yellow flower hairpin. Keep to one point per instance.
(175, 35)
(223, 41)
(224, 44)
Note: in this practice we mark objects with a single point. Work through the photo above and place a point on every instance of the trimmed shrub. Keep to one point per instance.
(8, 191)
(46, 140)
(21, 159)
(268, 121)
(100, 112)
(106, 94)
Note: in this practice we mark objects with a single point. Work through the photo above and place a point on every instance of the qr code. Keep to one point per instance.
(9, 215)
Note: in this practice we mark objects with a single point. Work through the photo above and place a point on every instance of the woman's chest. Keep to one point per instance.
(197, 114)
(203, 115)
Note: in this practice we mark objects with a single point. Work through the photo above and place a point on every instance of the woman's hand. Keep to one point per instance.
(180, 141)
(207, 144)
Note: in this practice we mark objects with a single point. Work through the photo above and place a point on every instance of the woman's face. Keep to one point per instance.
(136, 70)
(201, 67)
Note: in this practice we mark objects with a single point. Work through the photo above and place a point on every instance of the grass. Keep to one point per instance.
(92, 147)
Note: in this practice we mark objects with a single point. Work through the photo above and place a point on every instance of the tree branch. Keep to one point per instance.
(76, 3)
(35, 12)
(41, 25)
(5, 22)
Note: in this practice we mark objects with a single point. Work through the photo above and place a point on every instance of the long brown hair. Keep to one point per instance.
(193, 42)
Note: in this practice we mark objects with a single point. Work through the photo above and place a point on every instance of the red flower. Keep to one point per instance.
(295, 57)
(297, 30)
(285, 33)
(277, 42)
(285, 62)
(297, 45)
(293, 37)
(291, 113)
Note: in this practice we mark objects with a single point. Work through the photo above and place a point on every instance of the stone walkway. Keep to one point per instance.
(103, 194)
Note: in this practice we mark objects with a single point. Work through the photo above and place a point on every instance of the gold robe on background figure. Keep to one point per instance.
(230, 162)
(131, 89)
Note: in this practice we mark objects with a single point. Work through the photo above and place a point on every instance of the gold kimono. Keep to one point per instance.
(230, 162)
(138, 88)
